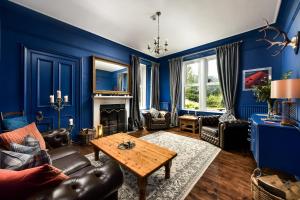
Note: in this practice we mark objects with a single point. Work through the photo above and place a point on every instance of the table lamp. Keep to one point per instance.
(286, 89)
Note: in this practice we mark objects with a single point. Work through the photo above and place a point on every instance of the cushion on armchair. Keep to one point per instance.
(154, 113)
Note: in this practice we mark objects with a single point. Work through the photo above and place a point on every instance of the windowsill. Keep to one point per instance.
(205, 111)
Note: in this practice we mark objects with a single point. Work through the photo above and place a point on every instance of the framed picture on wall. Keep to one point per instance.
(253, 77)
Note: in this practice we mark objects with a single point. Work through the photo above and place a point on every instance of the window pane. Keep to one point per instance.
(142, 86)
(191, 74)
(191, 100)
(214, 100)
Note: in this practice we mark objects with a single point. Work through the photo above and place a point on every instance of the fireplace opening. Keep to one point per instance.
(113, 118)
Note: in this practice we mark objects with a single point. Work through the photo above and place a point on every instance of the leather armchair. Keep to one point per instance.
(162, 122)
(226, 135)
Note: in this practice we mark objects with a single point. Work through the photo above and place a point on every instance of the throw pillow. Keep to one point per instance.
(18, 161)
(227, 117)
(24, 148)
(21, 184)
(162, 114)
(31, 141)
(14, 122)
(154, 113)
(14, 160)
(18, 136)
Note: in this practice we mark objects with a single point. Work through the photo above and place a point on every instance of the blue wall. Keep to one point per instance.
(20, 26)
(104, 80)
(253, 55)
(289, 21)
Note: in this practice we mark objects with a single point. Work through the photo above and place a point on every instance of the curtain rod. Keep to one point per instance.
(204, 51)
(145, 59)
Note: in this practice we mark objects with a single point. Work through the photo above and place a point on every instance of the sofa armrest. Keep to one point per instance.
(168, 119)
(226, 127)
(98, 183)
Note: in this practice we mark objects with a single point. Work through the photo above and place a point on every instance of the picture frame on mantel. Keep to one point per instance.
(252, 77)
(114, 77)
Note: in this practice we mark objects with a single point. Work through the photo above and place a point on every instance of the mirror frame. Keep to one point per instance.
(95, 91)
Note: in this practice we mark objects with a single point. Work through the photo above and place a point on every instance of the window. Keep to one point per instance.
(143, 88)
(201, 87)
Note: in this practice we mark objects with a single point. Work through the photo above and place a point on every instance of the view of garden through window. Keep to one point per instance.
(201, 86)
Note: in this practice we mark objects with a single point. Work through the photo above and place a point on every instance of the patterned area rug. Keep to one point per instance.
(193, 158)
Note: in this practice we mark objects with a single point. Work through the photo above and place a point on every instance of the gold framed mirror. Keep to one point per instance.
(111, 77)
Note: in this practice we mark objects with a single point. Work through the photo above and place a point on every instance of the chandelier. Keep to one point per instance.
(157, 47)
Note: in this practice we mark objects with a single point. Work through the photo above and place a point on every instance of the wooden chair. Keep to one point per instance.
(4, 115)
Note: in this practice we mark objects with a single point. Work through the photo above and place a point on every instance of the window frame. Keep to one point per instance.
(202, 83)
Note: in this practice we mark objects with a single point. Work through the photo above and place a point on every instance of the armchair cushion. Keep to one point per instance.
(211, 130)
(154, 113)
(158, 120)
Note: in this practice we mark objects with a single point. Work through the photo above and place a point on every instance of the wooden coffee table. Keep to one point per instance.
(144, 159)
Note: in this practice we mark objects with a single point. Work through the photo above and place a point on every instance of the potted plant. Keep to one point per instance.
(262, 92)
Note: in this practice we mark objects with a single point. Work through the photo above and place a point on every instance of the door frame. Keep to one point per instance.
(27, 79)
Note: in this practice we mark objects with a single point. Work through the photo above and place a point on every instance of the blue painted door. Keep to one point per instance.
(45, 73)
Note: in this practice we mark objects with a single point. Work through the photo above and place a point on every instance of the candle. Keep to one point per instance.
(58, 94)
(51, 98)
(66, 98)
(71, 122)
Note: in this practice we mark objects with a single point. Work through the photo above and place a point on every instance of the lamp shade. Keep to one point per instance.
(285, 89)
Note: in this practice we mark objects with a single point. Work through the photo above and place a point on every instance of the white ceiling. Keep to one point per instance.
(185, 23)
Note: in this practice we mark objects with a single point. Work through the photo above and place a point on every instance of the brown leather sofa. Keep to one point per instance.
(86, 181)
(226, 135)
(161, 122)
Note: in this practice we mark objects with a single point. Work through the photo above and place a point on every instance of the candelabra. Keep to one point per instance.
(58, 105)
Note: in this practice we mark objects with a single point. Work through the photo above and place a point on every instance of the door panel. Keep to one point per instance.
(46, 73)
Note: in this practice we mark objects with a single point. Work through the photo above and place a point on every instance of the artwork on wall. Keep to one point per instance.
(253, 77)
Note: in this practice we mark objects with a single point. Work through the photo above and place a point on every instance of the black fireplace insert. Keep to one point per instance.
(113, 118)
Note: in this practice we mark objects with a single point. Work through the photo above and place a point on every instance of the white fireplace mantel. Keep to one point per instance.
(105, 100)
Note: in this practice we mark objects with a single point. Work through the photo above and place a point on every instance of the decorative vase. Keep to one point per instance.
(270, 103)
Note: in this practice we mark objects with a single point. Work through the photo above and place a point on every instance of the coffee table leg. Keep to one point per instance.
(142, 182)
(168, 169)
(96, 151)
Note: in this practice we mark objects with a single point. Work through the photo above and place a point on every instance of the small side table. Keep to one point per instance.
(188, 122)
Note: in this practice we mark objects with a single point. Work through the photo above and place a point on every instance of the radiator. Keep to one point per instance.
(247, 110)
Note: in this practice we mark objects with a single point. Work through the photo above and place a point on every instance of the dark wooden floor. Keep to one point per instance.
(228, 176)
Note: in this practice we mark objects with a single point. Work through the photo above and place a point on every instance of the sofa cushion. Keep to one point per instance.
(23, 148)
(18, 136)
(14, 122)
(71, 163)
(61, 152)
(158, 121)
(212, 130)
(21, 184)
(18, 161)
